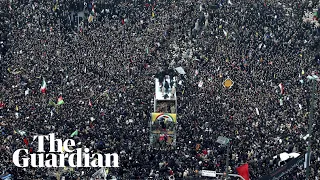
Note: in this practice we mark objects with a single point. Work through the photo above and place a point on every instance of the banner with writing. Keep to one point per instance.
(278, 173)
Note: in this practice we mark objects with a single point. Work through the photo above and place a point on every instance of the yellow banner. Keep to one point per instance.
(164, 116)
(90, 19)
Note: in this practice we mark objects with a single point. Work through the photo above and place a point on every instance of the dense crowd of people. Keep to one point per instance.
(104, 70)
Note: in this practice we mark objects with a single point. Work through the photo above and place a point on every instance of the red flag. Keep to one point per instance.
(43, 88)
(2, 105)
(243, 171)
(171, 172)
(25, 140)
(281, 88)
(60, 98)
(43, 91)
(205, 152)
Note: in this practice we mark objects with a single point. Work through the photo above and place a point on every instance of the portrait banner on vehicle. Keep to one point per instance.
(165, 116)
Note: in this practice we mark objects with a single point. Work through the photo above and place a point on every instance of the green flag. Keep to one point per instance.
(281, 101)
(75, 133)
(22, 133)
(51, 103)
(60, 101)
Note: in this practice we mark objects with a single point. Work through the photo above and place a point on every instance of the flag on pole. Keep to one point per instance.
(55, 7)
(43, 88)
(51, 113)
(2, 105)
(225, 33)
(152, 14)
(93, 6)
(75, 133)
(60, 101)
(257, 111)
(90, 18)
(281, 88)
(281, 102)
(200, 84)
(51, 103)
(22, 133)
(243, 171)
(26, 92)
(26, 142)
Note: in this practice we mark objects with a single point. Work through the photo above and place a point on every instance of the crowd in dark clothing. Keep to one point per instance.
(105, 70)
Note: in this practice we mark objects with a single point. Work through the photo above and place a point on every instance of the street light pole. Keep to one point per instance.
(225, 142)
(228, 83)
(314, 81)
(227, 163)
